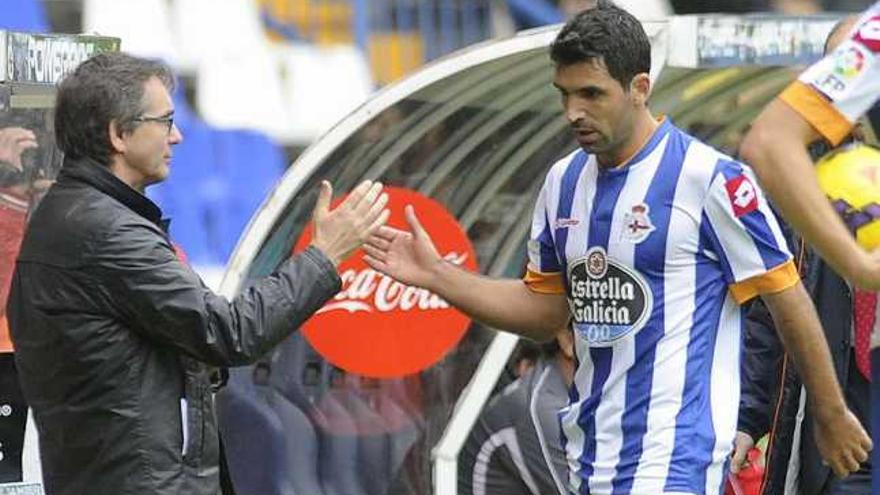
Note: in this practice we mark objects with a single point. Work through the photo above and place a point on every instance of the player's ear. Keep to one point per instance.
(640, 89)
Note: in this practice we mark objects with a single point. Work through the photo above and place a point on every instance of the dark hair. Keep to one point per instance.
(106, 87)
(607, 33)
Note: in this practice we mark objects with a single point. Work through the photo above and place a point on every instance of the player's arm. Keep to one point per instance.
(840, 437)
(824, 102)
(776, 147)
(501, 303)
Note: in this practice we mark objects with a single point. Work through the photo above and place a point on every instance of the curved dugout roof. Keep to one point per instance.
(477, 131)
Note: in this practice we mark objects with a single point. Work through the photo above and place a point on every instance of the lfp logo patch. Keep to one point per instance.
(849, 62)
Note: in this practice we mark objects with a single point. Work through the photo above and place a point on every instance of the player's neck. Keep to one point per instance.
(643, 128)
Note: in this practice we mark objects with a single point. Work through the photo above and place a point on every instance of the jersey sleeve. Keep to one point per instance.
(741, 230)
(544, 271)
(835, 91)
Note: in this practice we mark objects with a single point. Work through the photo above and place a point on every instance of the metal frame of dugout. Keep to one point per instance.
(30, 67)
(478, 129)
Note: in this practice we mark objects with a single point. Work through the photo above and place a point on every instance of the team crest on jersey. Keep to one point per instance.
(608, 300)
(637, 224)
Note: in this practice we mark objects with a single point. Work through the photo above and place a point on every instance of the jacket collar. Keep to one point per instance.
(99, 176)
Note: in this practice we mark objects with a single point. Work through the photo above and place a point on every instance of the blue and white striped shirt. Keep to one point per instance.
(655, 257)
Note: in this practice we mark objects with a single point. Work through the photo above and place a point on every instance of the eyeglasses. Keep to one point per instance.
(167, 121)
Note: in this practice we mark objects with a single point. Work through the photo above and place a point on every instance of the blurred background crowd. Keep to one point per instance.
(264, 78)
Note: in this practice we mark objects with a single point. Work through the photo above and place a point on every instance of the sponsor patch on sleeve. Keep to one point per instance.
(868, 33)
(742, 194)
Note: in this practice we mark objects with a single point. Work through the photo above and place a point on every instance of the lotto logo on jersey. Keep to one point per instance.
(743, 195)
(868, 34)
(608, 300)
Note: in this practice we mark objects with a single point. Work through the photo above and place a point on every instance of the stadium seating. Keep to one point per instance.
(142, 25)
(339, 463)
(181, 195)
(242, 90)
(255, 447)
(374, 448)
(234, 27)
(24, 15)
(302, 446)
(321, 85)
(248, 165)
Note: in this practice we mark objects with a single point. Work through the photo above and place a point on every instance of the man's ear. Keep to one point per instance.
(640, 88)
(116, 139)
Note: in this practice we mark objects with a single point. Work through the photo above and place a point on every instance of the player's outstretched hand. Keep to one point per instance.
(843, 443)
(409, 257)
(339, 232)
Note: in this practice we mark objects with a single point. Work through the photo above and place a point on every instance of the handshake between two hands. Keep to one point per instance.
(359, 222)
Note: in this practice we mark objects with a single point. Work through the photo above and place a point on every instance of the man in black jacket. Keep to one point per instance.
(116, 339)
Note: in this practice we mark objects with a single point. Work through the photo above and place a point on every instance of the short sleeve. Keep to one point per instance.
(835, 91)
(742, 231)
(544, 271)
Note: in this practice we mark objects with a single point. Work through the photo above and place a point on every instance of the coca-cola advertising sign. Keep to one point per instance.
(378, 327)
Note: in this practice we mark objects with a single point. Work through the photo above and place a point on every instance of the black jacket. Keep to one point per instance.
(771, 386)
(111, 331)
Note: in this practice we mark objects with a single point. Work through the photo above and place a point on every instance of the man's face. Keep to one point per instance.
(598, 109)
(147, 153)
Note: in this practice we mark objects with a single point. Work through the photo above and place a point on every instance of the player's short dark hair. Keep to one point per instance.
(606, 33)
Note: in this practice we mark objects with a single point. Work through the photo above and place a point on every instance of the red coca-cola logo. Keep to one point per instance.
(376, 326)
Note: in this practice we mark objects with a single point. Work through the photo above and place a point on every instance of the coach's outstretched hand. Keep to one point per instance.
(843, 442)
(339, 232)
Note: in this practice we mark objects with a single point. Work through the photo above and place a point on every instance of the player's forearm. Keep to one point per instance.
(801, 332)
(776, 149)
(506, 304)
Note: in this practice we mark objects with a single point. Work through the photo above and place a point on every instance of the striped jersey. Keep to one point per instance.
(655, 258)
(834, 92)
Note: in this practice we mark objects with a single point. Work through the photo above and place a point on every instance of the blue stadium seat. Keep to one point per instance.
(302, 446)
(24, 15)
(249, 165)
(339, 462)
(404, 431)
(534, 13)
(182, 195)
(299, 372)
(253, 436)
(374, 448)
